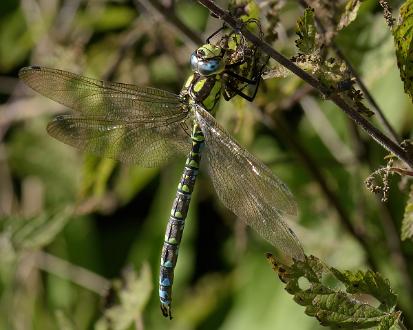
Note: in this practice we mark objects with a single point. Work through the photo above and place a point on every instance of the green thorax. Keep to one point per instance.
(204, 86)
(205, 91)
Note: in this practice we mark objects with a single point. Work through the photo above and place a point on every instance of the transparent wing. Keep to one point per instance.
(143, 143)
(101, 98)
(248, 188)
(126, 122)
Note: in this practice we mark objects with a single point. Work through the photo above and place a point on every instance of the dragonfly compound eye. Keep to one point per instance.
(209, 67)
(194, 61)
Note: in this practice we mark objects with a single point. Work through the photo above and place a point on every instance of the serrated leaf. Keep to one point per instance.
(334, 15)
(332, 306)
(390, 322)
(339, 309)
(407, 224)
(36, 232)
(132, 292)
(306, 32)
(371, 283)
(403, 39)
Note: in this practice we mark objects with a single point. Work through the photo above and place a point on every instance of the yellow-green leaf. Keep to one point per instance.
(323, 297)
(368, 282)
(306, 32)
(403, 38)
(407, 224)
(36, 232)
(349, 14)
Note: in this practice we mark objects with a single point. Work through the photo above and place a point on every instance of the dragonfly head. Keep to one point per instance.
(208, 60)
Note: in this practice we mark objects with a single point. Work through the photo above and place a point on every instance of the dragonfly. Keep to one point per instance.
(148, 126)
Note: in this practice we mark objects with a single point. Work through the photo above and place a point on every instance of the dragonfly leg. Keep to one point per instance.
(214, 34)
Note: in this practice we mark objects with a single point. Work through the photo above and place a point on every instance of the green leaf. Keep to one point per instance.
(109, 18)
(244, 9)
(131, 293)
(407, 224)
(96, 174)
(36, 232)
(403, 38)
(332, 73)
(64, 321)
(306, 32)
(329, 303)
(334, 15)
(371, 283)
(15, 40)
(349, 14)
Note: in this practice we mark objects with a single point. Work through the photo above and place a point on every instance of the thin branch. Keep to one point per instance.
(401, 171)
(371, 130)
(324, 129)
(288, 102)
(169, 16)
(73, 273)
(390, 130)
(377, 110)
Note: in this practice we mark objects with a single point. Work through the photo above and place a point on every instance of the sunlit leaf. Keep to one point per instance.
(349, 14)
(403, 38)
(334, 15)
(407, 224)
(329, 303)
(306, 32)
(371, 283)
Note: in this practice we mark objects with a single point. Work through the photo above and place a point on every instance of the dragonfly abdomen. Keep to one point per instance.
(176, 222)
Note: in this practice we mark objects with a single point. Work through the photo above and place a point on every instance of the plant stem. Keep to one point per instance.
(360, 82)
(169, 16)
(376, 134)
(390, 130)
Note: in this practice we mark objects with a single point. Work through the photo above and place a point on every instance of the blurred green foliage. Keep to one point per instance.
(71, 223)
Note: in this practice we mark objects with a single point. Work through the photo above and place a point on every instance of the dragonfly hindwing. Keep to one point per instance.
(248, 188)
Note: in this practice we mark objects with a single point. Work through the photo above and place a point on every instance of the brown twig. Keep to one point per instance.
(401, 171)
(73, 273)
(168, 15)
(353, 113)
(377, 110)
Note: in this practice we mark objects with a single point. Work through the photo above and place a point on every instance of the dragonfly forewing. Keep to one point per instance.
(125, 122)
(113, 101)
(248, 188)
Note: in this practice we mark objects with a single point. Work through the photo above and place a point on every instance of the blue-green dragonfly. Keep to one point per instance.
(146, 126)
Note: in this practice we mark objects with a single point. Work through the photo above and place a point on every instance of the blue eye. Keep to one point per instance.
(194, 61)
(209, 67)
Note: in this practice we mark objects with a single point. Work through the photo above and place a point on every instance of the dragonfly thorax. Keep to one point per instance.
(204, 86)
